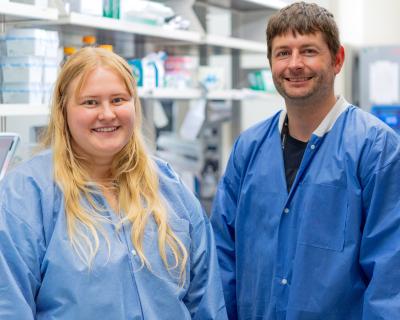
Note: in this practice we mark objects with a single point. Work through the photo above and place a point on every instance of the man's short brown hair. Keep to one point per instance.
(304, 18)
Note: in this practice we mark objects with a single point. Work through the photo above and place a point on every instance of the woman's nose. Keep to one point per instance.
(106, 112)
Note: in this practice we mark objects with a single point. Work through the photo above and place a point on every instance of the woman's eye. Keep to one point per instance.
(118, 100)
(90, 102)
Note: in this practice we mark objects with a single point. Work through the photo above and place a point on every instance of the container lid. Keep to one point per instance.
(69, 50)
(106, 46)
(89, 39)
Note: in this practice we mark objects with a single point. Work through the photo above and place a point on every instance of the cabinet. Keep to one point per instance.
(241, 46)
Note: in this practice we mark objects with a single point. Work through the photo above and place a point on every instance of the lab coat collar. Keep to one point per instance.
(329, 120)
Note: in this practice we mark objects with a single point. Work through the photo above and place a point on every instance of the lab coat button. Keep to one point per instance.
(133, 252)
(312, 147)
(284, 282)
(286, 210)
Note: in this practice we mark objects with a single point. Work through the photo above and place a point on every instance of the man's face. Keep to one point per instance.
(303, 67)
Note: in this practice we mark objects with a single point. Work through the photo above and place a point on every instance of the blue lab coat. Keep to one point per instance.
(330, 249)
(41, 277)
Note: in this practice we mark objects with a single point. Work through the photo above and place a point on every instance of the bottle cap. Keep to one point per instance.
(69, 50)
(89, 39)
(106, 46)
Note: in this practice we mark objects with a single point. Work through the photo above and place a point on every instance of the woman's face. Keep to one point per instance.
(101, 116)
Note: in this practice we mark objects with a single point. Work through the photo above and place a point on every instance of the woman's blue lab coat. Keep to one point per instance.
(41, 277)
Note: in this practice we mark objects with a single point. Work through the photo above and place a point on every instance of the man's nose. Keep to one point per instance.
(296, 61)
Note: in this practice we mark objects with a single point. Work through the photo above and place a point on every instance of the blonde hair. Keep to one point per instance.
(133, 171)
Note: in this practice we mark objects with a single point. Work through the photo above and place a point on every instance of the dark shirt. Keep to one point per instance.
(293, 151)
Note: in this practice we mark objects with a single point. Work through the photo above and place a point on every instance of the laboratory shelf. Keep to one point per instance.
(10, 110)
(18, 11)
(229, 94)
(258, 4)
(247, 5)
(77, 19)
(241, 94)
(235, 43)
(170, 93)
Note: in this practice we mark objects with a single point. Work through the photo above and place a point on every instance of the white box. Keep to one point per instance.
(38, 3)
(26, 42)
(93, 7)
(47, 93)
(52, 44)
(22, 93)
(21, 69)
(211, 78)
(219, 22)
(50, 71)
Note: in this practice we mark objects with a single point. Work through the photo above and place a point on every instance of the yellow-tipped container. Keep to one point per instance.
(108, 47)
(89, 41)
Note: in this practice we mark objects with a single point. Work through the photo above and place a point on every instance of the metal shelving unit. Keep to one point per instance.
(234, 43)
(142, 38)
(101, 23)
(17, 11)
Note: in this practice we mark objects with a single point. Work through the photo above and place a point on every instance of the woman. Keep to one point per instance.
(94, 228)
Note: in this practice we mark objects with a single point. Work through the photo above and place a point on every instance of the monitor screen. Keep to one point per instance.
(388, 114)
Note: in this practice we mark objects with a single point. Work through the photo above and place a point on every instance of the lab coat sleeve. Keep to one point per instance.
(205, 298)
(223, 222)
(380, 246)
(21, 247)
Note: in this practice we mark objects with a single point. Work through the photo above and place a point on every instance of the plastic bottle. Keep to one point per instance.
(209, 183)
(111, 9)
(68, 51)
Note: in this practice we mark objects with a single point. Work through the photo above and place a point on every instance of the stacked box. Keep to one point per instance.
(28, 65)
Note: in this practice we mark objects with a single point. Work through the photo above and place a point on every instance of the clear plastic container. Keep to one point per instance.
(22, 69)
(25, 42)
(15, 93)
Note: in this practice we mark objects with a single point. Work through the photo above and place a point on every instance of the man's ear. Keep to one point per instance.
(339, 60)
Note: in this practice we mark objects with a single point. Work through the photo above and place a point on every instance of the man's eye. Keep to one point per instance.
(309, 52)
(282, 54)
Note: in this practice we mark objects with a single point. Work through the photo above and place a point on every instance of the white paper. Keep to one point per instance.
(160, 118)
(384, 82)
(194, 119)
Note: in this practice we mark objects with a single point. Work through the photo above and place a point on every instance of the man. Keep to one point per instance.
(307, 215)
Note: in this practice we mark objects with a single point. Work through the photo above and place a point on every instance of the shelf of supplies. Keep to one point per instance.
(77, 19)
(259, 4)
(242, 94)
(17, 11)
(10, 110)
(229, 94)
(235, 43)
(170, 93)
(262, 95)
(246, 5)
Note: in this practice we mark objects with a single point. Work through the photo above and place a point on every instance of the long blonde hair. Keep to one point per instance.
(133, 171)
